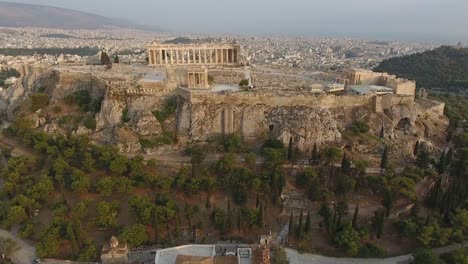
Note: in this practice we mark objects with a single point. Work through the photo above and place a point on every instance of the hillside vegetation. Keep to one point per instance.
(445, 67)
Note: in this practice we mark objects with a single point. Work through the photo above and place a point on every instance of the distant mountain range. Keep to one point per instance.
(26, 15)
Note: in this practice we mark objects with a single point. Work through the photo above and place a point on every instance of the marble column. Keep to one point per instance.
(150, 56)
(160, 57)
(205, 61)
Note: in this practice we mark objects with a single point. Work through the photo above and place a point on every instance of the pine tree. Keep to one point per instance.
(315, 153)
(307, 225)
(260, 216)
(290, 149)
(416, 149)
(356, 217)
(384, 160)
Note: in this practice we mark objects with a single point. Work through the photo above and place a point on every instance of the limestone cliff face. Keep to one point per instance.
(57, 84)
(307, 124)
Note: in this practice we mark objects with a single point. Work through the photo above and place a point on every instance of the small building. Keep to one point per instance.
(369, 89)
(335, 87)
(114, 252)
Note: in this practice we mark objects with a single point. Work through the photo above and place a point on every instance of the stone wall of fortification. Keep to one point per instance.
(307, 118)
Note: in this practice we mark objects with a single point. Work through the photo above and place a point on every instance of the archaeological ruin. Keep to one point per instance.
(204, 81)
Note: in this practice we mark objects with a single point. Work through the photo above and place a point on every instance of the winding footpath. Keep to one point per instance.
(25, 253)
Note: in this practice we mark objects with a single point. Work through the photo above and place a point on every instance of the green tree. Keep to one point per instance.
(345, 165)
(105, 185)
(384, 162)
(424, 256)
(355, 222)
(442, 164)
(80, 181)
(105, 60)
(315, 154)
(16, 215)
(49, 244)
(119, 165)
(290, 149)
(116, 59)
(307, 225)
(378, 222)
(8, 247)
(106, 214)
(291, 225)
(348, 239)
(198, 154)
(416, 148)
(260, 216)
(330, 155)
(300, 227)
(135, 235)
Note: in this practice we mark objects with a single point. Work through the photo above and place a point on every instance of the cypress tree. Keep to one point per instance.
(307, 225)
(116, 59)
(345, 165)
(300, 228)
(378, 222)
(291, 225)
(441, 166)
(315, 153)
(260, 216)
(239, 220)
(388, 201)
(356, 216)
(416, 149)
(257, 202)
(207, 202)
(384, 160)
(105, 60)
(449, 156)
(290, 149)
(382, 132)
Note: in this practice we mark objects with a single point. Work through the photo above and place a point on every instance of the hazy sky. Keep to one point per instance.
(421, 18)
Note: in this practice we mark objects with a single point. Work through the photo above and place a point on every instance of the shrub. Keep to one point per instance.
(90, 123)
(38, 101)
(273, 143)
(359, 127)
(125, 117)
(244, 82)
(57, 109)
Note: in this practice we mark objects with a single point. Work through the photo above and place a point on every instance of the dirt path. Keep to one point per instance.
(25, 254)
(297, 258)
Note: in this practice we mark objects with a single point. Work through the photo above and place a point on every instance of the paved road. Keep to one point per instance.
(297, 258)
(180, 158)
(25, 254)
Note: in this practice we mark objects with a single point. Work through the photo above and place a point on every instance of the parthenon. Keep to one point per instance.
(176, 54)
